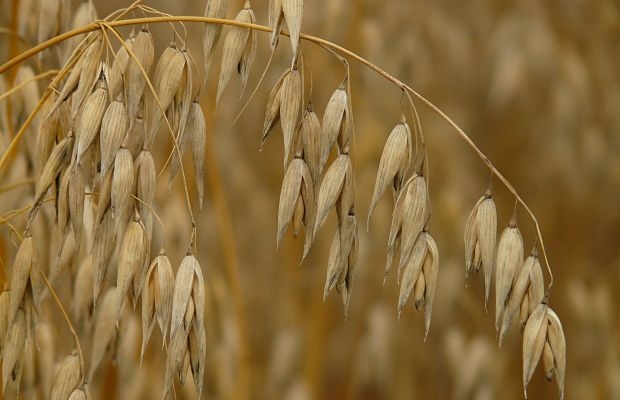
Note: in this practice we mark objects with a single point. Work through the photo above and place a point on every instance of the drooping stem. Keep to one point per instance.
(343, 51)
(68, 321)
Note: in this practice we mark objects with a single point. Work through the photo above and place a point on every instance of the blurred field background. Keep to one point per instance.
(535, 84)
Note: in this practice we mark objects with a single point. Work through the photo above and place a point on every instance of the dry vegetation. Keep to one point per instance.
(139, 222)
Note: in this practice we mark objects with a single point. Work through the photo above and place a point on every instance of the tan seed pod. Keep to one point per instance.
(161, 278)
(122, 186)
(77, 188)
(293, 12)
(198, 354)
(518, 290)
(338, 254)
(557, 342)
(480, 239)
(332, 121)
(58, 159)
(415, 213)
(536, 290)
(276, 17)
(311, 142)
(86, 64)
(345, 282)
(430, 268)
(62, 203)
(67, 378)
(78, 394)
(90, 118)
(394, 159)
(194, 121)
(212, 32)
(119, 69)
(290, 104)
(144, 54)
(183, 285)
(291, 187)
(524, 311)
(332, 186)
(146, 177)
(89, 72)
(418, 291)
(412, 269)
(83, 291)
(12, 357)
(46, 135)
(534, 337)
(131, 258)
(235, 45)
(114, 127)
(548, 361)
(103, 247)
(166, 81)
(198, 131)
(105, 330)
(396, 227)
(20, 274)
(247, 58)
(272, 113)
(198, 294)
(509, 259)
(174, 361)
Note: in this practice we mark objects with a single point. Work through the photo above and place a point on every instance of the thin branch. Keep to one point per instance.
(69, 324)
(343, 51)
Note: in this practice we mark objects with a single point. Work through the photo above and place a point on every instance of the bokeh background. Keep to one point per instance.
(535, 84)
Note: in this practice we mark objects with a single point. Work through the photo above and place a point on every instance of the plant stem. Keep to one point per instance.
(69, 324)
(343, 51)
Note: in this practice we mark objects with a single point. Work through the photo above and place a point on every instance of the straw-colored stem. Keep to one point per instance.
(343, 51)
(69, 324)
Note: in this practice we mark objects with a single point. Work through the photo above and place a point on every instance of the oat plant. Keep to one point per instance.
(92, 137)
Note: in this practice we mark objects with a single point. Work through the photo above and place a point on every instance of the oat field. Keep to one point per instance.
(303, 199)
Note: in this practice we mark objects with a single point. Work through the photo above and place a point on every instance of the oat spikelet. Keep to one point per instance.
(332, 121)
(83, 291)
(198, 354)
(238, 46)
(122, 186)
(58, 159)
(20, 274)
(311, 142)
(290, 104)
(76, 190)
(293, 12)
(119, 69)
(534, 337)
(114, 127)
(103, 247)
(296, 201)
(67, 378)
(144, 51)
(521, 282)
(91, 117)
(157, 297)
(212, 32)
(166, 82)
(131, 258)
(174, 361)
(272, 113)
(183, 285)
(557, 343)
(430, 269)
(480, 239)
(414, 215)
(198, 132)
(276, 17)
(423, 249)
(334, 182)
(12, 357)
(509, 259)
(394, 162)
